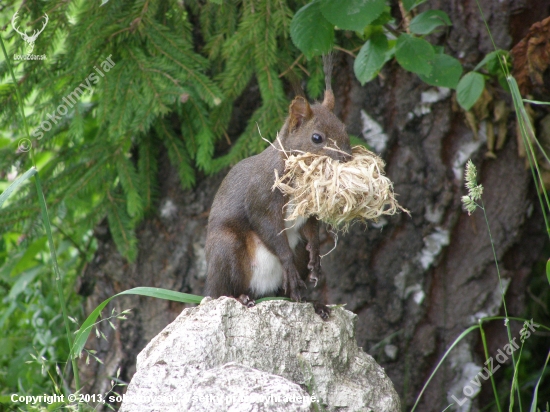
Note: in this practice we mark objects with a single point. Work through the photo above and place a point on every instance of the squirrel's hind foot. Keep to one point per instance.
(246, 301)
(322, 310)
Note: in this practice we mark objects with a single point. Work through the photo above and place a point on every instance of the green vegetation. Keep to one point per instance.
(313, 31)
(123, 79)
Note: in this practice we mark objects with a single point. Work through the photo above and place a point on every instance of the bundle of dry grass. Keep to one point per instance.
(337, 193)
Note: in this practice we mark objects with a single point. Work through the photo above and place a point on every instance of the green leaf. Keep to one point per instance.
(410, 4)
(414, 54)
(384, 18)
(84, 331)
(446, 72)
(469, 89)
(352, 14)
(27, 260)
(548, 270)
(311, 32)
(371, 58)
(4, 141)
(428, 21)
(18, 182)
(357, 141)
(316, 81)
(24, 280)
(492, 61)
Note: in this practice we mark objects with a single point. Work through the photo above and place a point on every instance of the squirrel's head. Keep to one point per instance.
(316, 129)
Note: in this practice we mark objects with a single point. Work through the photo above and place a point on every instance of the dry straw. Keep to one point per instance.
(336, 192)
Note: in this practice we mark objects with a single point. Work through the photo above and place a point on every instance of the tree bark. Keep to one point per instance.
(415, 282)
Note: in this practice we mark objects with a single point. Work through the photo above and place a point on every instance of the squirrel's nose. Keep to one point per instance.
(345, 155)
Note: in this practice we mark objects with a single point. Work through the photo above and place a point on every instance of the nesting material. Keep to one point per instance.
(335, 192)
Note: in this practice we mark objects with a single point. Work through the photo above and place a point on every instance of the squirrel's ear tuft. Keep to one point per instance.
(299, 112)
(328, 101)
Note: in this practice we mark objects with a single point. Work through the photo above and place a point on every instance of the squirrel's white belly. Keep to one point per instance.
(267, 271)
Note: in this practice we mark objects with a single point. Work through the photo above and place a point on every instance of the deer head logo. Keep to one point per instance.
(32, 38)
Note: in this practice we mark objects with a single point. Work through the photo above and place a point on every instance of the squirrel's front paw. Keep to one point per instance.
(314, 264)
(292, 284)
(295, 296)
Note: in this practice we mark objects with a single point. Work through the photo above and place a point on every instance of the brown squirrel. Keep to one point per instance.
(251, 251)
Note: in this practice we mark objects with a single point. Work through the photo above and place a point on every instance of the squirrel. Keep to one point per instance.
(251, 250)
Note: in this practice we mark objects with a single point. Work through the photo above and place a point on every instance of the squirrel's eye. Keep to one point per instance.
(316, 138)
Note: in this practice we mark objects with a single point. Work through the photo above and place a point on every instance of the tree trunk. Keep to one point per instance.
(415, 282)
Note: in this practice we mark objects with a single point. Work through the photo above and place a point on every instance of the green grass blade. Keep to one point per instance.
(503, 296)
(272, 298)
(57, 272)
(486, 350)
(84, 331)
(18, 182)
(515, 383)
(536, 102)
(536, 392)
(516, 96)
(527, 131)
(19, 98)
(165, 294)
(457, 340)
(501, 61)
(490, 318)
(548, 270)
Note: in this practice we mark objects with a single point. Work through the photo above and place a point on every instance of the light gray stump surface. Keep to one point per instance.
(223, 356)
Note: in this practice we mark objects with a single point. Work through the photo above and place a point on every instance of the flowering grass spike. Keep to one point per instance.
(474, 190)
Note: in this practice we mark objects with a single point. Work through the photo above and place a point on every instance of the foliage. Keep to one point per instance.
(177, 70)
(374, 24)
(86, 327)
(101, 157)
(496, 61)
(414, 53)
(100, 131)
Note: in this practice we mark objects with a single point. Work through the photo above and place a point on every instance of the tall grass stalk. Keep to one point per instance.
(527, 136)
(536, 391)
(86, 327)
(470, 202)
(486, 351)
(19, 99)
(46, 221)
(502, 295)
(457, 341)
(76, 345)
(526, 128)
